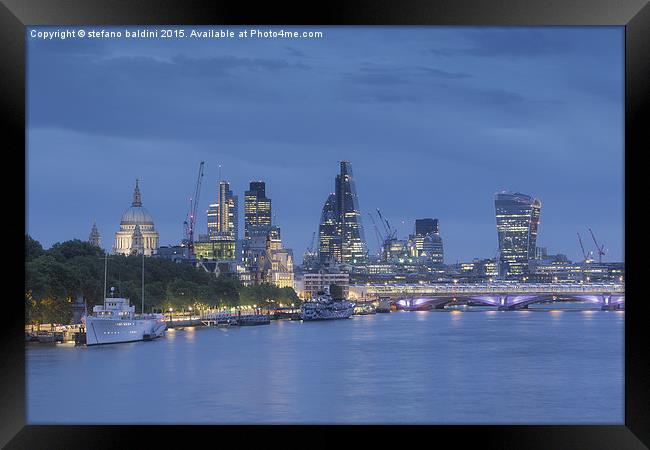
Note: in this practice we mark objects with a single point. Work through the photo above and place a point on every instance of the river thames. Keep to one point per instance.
(549, 365)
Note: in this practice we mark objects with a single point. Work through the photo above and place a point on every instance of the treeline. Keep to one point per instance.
(55, 277)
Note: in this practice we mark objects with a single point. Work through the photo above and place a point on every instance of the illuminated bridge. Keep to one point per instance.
(505, 296)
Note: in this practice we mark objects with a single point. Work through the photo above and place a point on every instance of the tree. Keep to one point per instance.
(56, 276)
(33, 248)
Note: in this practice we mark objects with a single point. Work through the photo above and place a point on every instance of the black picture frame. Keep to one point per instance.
(634, 15)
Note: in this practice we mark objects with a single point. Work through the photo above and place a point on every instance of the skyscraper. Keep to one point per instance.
(517, 217)
(223, 215)
(257, 223)
(329, 239)
(340, 232)
(353, 242)
(257, 208)
(426, 226)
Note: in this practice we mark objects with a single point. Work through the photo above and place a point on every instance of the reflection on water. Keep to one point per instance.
(413, 367)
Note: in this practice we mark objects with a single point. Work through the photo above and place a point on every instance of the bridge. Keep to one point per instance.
(504, 296)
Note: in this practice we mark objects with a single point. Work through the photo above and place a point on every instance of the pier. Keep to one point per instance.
(53, 334)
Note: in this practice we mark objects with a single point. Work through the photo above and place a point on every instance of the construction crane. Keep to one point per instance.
(390, 234)
(380, 240)
(599, 248)
(189, 222)
(585, 255)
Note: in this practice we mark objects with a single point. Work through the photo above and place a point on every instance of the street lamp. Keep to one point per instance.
(170, 316)
(190, 308)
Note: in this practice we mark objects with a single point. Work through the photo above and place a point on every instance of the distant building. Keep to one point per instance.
(311, 283)
(329, 238)
(257, 223)
(282, 268)
(137, 233)
(219, 247)
(426, 226)
(426, 244)
(95, 238)
(394, 250)
(176, 253)
(353, 241)
(341, 236)
(517, 217)
(223, 216)
(257, 208)
(264, 260)
(479, 269)
(432, 250)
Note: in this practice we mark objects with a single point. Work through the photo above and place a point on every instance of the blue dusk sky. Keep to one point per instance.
(434, 120)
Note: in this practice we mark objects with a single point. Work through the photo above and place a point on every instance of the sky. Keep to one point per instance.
(434, 120)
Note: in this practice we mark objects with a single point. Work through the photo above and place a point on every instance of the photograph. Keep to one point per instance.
(325, 225)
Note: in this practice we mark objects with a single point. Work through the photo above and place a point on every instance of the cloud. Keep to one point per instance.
(509, 43)
(393, 75)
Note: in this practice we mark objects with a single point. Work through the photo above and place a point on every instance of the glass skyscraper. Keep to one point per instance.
(329, 238)
(341, 235)
(257, 209)
(223, 217)
(426, 226)
(517, 217)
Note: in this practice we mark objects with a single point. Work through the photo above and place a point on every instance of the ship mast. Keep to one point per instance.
(105, 266)
(142, 310)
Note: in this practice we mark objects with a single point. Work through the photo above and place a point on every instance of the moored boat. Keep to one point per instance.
(115, 321)
(324, 307)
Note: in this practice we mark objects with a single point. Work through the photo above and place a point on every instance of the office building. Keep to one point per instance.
(341, 236)
(517, 219)
(426, 226)
(223, 216)
(257, 208)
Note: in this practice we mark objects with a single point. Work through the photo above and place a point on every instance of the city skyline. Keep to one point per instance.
(539, 131)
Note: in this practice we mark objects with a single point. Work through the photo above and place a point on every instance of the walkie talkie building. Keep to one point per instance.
(517, 225)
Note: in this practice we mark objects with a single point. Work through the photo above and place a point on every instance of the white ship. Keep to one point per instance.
(115, 321)
(323, 307)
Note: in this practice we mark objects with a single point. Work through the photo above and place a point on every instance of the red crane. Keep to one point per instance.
(191, 215)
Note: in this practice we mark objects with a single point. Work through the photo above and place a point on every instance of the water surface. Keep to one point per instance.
(549, 365)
